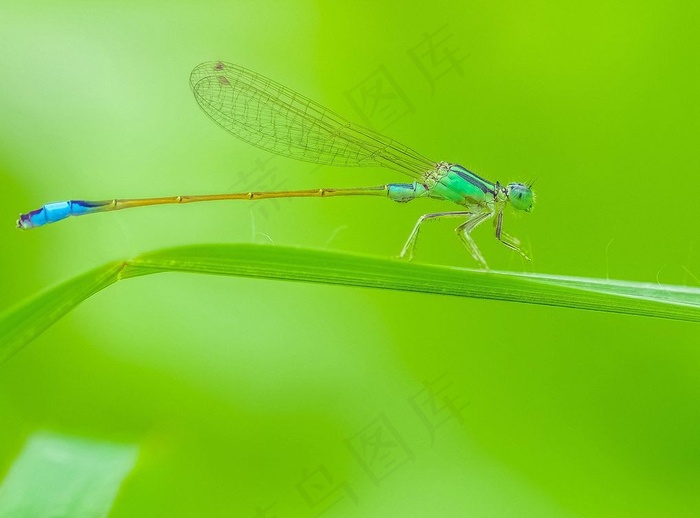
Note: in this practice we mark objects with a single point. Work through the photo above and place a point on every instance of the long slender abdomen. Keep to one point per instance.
(52, 212)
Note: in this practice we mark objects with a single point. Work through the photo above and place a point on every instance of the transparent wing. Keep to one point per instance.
(277, 119)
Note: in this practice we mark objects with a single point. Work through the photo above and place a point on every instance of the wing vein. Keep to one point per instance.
(279, 120)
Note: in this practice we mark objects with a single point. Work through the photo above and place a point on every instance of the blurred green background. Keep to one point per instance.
(259, 398)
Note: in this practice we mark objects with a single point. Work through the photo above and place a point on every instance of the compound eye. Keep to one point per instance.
(520, 196)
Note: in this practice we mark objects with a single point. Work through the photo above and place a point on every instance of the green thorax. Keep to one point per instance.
(454, 183)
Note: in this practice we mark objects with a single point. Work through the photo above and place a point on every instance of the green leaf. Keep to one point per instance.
(20, 325)
(58, 475)
(24, 322)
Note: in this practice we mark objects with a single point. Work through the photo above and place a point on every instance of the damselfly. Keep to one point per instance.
(279, 120)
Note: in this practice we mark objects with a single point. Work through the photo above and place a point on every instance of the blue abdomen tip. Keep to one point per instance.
(52, 212)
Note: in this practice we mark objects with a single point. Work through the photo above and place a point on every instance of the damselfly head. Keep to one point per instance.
(520, 196)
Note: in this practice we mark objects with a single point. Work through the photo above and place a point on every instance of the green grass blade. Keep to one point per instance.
(23, 323)
(58, 475)
(296, 264)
